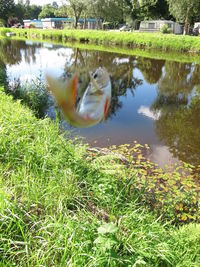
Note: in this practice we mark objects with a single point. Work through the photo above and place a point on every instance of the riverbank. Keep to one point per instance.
(164, 42)
(147, 53)
(64, 204)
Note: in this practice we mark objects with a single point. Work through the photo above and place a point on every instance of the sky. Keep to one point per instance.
(43, 2)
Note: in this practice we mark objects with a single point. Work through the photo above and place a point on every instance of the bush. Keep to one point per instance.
(32, 26)
(165, 29)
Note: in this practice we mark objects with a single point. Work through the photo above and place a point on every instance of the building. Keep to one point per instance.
(61, 23)
(156, 25)
(28, 23)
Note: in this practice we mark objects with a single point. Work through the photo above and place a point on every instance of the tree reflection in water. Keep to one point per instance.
(178, 102)
(151, 69)
(11, 51)
(119, 68)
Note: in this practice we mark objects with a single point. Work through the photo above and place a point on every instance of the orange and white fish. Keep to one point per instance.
(94, 105)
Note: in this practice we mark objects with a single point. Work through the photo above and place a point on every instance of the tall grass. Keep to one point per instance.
(160, 41)
(32, 93)
(59, 209)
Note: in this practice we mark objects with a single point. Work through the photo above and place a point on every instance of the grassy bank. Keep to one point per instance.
(61, 205)
(165, 42)
(148, 53)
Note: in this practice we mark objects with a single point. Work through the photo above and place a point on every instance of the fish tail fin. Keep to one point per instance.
(63, 91)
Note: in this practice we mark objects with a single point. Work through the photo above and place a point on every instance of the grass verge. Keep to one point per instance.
(169, 42)
(59, 208)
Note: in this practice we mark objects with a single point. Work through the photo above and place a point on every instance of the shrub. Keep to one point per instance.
(164, 29)
(32, 26)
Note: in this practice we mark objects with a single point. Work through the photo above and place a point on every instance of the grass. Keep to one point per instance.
(63, 206)
(165, 42)
(148, 53)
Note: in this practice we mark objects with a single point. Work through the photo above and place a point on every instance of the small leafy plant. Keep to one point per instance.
(164, 29)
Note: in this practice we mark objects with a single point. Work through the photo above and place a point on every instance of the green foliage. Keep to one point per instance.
(56, 205)
(33, 94)
(48, 11)
(168, 42)
(184, 11)
(77, 7)
(62, 12)
(6, 7)
(165, 29)
(2, 74)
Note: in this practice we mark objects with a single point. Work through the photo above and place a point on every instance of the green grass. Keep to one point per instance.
(165, 42)
(148, 53)
(59, 208)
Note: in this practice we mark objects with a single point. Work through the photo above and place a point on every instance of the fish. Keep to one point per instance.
(93, 107)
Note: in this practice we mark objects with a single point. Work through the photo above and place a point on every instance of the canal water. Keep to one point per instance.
(155, 102)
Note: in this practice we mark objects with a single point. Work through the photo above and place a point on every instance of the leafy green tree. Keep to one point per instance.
(62, 12)
(132, 7)
(77, 7)
(145, 9)
(110, 11)
(154, 9)
(6, 8)
(32, 12)
(48, 11)
(184, 11)
(19, 11)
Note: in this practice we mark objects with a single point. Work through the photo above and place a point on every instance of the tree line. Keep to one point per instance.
(112, 12)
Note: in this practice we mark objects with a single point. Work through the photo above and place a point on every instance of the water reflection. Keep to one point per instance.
(153, 101)
(178, 102)
(151, 69)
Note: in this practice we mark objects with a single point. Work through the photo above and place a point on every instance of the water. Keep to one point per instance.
(153, 101)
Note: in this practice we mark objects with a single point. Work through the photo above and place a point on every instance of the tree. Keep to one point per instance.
(110, 11)
(48, 11)
(147, 9)
(184, 11)
(6, 8)
(55, 5)
(19, 11)
(32, 12)
(77, 7)
(154, 9)
(27, 3)
(62, 12)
